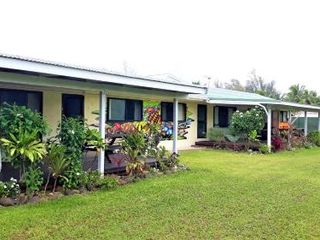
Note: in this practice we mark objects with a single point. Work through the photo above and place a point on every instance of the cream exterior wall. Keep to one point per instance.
(91, 103)
(52, 107)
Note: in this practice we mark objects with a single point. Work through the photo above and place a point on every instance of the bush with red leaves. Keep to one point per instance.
(277, 144)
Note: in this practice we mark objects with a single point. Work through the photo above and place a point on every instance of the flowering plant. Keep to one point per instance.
(9, 189)
(243, 123)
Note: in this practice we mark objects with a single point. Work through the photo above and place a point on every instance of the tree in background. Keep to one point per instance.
(256, 84)
(299, 94)
(234, 84)
(296, 94)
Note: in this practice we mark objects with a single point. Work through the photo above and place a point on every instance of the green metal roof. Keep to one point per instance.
(232, 95)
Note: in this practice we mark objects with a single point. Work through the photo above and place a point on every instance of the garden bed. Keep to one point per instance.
(93, 184)
(228, 145)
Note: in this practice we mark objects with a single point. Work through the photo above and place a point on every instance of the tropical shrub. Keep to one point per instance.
(277, 144)
(243, 123)
(314, 138)
(216, 134)
(91, 180)
(134, 146)
(13, 118)
(253, 136)
(308, 145)
(23, 149)
(93, 138)
(264, 149)
(232, 138)
(72, 135)
(298, 141)
(108, 183)
(33, 180)
(57, 163)
(161, 154)
(9, 189)
(172, 161)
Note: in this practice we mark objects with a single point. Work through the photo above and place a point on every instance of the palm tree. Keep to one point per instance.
(296, 94)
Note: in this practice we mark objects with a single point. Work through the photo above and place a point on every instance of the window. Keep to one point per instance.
(202, 121)
(30, 99)
(283, 116)
(72, 105)
(124, 110)
(167, 112)
(222, 116)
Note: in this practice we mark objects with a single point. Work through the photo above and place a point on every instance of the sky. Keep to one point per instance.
(191, 40)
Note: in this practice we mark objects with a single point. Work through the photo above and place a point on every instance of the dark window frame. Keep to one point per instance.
(26, 91)
(170, 103)
(125, 111)
(66, 95)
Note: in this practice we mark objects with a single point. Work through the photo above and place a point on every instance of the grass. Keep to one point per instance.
(225, 196)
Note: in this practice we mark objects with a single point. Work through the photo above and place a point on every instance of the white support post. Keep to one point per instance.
(102, 128)
(319, 121)
(269, 127)
(289, 117)
(175, 126)
(305, 123)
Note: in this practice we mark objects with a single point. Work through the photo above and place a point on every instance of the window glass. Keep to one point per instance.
(167, 112)
(30, 99)
(72, 105)
(223, 116)
(181, 112)
(137, 110)
(283, 116)
(117, 109)
(34, 102)
(124, 110)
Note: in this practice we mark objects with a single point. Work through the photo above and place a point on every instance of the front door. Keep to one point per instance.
(202, 121)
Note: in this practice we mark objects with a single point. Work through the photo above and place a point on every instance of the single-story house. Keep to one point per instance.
(186, 111)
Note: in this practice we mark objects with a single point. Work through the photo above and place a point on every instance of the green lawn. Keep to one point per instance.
(224, 196)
